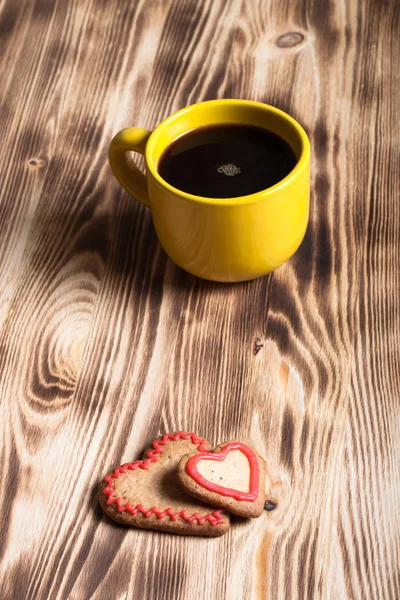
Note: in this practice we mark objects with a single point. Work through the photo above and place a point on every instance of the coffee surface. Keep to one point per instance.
(226, 161)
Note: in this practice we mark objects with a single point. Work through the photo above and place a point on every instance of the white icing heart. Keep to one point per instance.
(233, 472)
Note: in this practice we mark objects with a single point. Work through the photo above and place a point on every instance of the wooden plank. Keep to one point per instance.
(105, 344)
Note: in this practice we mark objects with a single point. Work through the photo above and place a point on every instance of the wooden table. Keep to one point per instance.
(105, 344)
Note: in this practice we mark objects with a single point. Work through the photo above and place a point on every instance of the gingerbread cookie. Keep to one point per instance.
(233, 477)
(147, 493)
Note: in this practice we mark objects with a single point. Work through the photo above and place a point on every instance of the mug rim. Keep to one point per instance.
(298, 169)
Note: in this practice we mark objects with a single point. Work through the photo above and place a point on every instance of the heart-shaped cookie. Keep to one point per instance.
(233, 477)
(147, 493)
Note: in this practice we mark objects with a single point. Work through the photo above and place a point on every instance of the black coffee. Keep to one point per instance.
(225, 161)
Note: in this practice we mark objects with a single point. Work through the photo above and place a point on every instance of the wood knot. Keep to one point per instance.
(37, 163)
(257, 346)
(269, 505)
(290, 39)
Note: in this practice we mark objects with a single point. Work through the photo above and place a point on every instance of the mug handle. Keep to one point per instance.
(131, 178)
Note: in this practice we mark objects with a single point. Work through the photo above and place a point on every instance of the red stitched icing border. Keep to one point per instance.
(214, 518)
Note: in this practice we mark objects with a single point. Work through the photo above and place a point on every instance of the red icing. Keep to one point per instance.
(152, 456)
(251, 495)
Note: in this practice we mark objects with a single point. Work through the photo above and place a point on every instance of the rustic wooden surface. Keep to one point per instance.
(105, 344)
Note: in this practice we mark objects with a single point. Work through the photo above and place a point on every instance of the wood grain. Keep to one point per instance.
(105, 344)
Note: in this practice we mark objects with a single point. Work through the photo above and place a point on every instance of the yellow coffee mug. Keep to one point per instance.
(229, 239)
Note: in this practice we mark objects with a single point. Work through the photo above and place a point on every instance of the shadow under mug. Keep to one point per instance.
(229, 239)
